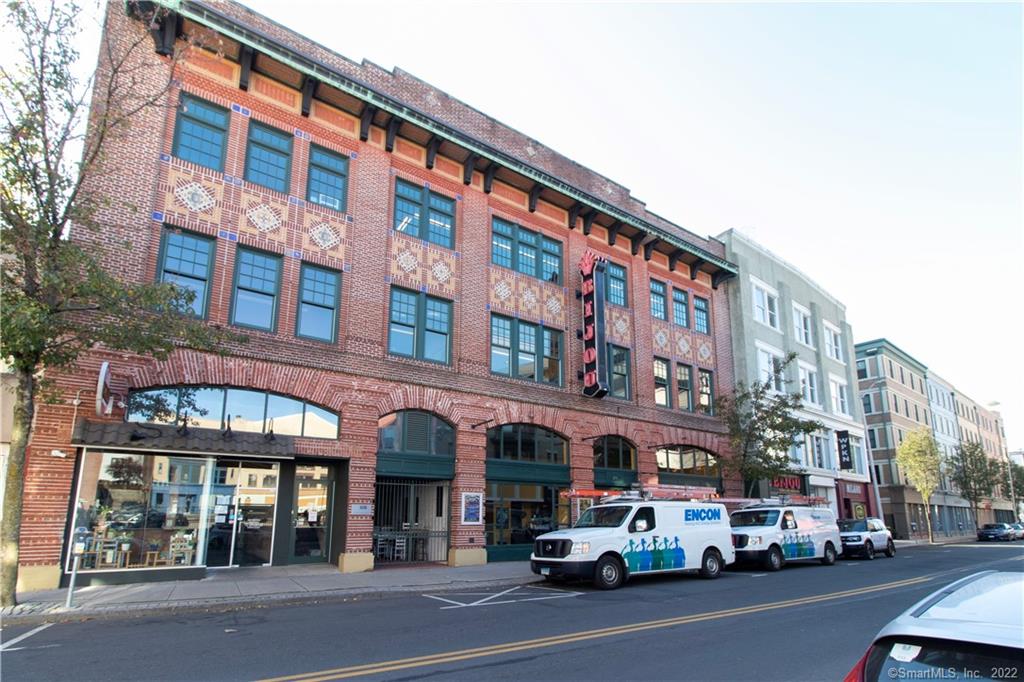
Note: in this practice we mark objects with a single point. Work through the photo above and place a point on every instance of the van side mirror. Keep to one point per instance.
(640, 525)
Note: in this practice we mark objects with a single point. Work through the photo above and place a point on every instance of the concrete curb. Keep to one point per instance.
(55, 613)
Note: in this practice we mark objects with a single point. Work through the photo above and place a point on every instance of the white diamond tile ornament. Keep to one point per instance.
(684, 345)
(529, 298)
(704, 352)
(194, 196)
(621, 326)
(442, 273)
(264, 218)
(407, 261)
(503, 290)
(661, 338)
(553, 305)
(324, 236)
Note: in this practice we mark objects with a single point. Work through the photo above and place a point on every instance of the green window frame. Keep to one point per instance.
(619, 375)
(614, 452)
(257, 287)
(526, 443)
(659, 310)
(615, 281)
(680, 308)
(201, 133)
(319, 293)
(684, 387)
(186, 260)
(662, 380)
(526, 351)
(420, 326)
(268, 157)
(525, 251)
(424, 214)
(706, 398)
(327, 179)
(701, 315)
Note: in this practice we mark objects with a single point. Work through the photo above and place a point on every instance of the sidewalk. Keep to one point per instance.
(939, 540)
(240, 587)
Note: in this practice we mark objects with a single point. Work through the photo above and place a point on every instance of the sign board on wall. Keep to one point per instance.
(362, 509)
(595, 351)
(843, 442)
(788, 484)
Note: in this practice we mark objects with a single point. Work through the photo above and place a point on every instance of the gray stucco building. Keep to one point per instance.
(776, 310)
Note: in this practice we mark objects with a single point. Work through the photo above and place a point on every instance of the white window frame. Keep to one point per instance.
(803, 325)
(807, 385)
(838, 383)
(763, 349)
(833, 342)
(770, 293)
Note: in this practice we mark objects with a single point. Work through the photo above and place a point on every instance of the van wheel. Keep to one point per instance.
(890, 549)
(773, 560)
(829, 557)
(608, 573)
(711, 564)
(869, 550)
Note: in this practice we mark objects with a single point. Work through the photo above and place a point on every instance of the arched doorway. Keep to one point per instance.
(415, 466)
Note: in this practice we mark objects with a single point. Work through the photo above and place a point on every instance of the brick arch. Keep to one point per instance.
(509, 412)
(187, 367)
(421, 398)
(615, 426)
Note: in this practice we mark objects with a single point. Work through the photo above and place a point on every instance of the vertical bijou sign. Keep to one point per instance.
(595, 382)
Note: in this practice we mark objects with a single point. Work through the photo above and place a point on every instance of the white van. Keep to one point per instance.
(630, 535)
(774, 534)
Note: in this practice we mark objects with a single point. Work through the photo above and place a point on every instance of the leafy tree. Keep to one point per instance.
(1012, 483)
(918, 459)
(58, 301)
(127, 472)
(763, 427)
(974, 474)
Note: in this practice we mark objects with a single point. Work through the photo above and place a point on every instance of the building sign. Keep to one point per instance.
(104, 397)
(843, 441)
(788, 484)
(853, 489)
(595, 351)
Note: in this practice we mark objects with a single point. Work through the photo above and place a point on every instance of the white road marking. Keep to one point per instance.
(430, 596)
(758, 575)
(22, 648)
(492, 599)
(493, 596)
(7, 645)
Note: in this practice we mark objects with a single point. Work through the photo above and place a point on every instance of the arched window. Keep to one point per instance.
(244, 410)
(412, 431)
(526, 443)
(688, 465)
(614, 452)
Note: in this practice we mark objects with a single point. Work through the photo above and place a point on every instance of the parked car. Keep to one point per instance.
(864, 537)
(1018, 531)
(971, 629)
(773, 534)
(996, 531)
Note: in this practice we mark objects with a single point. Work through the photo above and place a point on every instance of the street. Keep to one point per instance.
(808, 622)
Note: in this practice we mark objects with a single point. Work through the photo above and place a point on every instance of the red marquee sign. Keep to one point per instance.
(595, 351)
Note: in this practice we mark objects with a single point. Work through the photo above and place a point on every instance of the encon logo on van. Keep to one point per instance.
(697, 515)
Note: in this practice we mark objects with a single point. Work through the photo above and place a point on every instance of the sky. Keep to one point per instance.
(875, 146)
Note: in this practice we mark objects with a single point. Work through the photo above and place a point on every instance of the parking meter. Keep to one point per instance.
(79, 542)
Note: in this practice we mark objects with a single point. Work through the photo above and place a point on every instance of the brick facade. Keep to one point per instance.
(355, 376)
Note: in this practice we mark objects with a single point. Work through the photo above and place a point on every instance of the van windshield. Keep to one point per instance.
(758, 517)
(854, 525)
(603, 517)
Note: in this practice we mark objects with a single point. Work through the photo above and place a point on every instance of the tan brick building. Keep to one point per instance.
(405, 269)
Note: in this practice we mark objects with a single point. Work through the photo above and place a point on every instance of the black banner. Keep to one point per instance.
(595, 351)
(843, 441)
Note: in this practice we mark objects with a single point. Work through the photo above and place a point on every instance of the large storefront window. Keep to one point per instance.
(686, 465)
(516, 513)
(161, 511)
(526, 443)
(241, 409)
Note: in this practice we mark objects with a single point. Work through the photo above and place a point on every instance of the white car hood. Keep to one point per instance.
(577, 534)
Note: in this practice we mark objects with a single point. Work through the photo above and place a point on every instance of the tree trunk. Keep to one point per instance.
(10, 528)
(928, 520)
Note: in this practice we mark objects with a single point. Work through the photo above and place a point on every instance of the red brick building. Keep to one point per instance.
(405, 269)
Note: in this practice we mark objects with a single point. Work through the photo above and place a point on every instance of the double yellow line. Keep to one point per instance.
(523, 645)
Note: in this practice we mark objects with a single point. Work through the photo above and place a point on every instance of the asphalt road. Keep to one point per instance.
(808, 622)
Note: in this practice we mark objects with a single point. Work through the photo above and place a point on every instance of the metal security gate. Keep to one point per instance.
(410, 522)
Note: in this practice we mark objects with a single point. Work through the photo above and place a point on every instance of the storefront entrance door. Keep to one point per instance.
(311, 515)
(242, 524)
